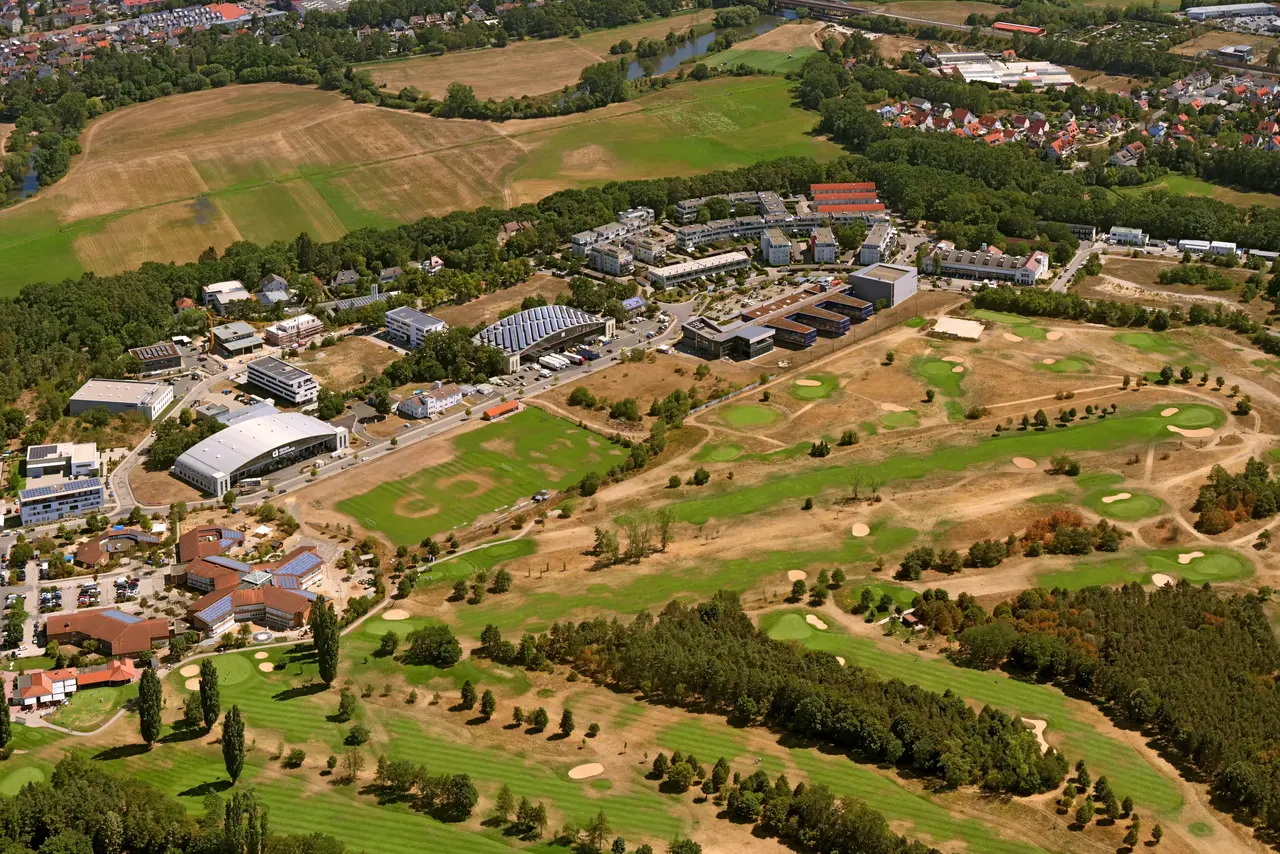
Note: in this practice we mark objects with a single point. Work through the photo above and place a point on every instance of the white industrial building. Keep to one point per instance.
(256, 446)
(119, 396)
(1232, 10)
(980, 68)
(219, 295)
(878, 244)
(824, 247)
(42, 504)
(430, 403)
(687, 271)
(775, 247)
(78, 459)
(946, 260)
(293, 330)
(283, 380)
(1127, 236)
(1195, 247)
(888, 282)
(409, 326)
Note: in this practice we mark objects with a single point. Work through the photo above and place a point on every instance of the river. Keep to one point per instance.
(670, 61)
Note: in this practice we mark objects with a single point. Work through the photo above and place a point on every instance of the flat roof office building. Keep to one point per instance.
(704, 337)
(775, 247)
(236, 339)
(72, 460)
(293, 330)
(158, 358)
(283, 380)
(42, 504)
(119, 396)
(409, 327)
(888, 282)
(687, 271)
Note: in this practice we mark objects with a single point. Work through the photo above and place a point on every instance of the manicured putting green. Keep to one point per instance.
(232, 669)
(19, 777)
(1027, 332)
(1215, 567)
(1193, 417)
(941, 374)
(1000, 317)
(1137, 506)
(1148, 342)
(894, 420)
(750, 416)
(1071, 365)
(915, 322)
(789, 627)
(814, 386)
(720, 453)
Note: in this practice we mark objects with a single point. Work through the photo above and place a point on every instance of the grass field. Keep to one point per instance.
(1138, 506)
(1114, 432)
(89, 709)
(768, 61)
(1077, 738)
(495, 467)
(749, 416)
(164, 180)
(942, 375)
(826, 386)
(1216, 566)
(1069, 365)
(1185, 185)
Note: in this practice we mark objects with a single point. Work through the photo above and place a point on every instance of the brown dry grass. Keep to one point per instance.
(1220, 38)
(347, 364)
(1103, 82)
(892, 47)
(486, 309)
(946, 11)
(785, 38)
(5, 130)
(159, 487)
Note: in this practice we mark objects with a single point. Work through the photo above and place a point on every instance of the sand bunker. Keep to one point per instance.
(796, 575)
(1009, 336)
(1037, 726)
(808, 383)
(953, 358)
(266, 667)
(1186, 558)
(860, 530)
(190, 670)
(261, 655)
(1162, 580)
(1047, 361)
(814, 621)
(1054, 335)
(1119, 496)
(893, 407)
(840, 658)
(582, 772)
(396, 614)
(1172, 410)
(1024, 462)
(958, 369)
(1198, 433)
(192, 684)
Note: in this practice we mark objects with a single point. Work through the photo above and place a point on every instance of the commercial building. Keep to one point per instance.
(236, 339)
(1083, 233)
(704, 337)
(803, 222)
(798, 319)
(116, 632)
(1127, 236)
(1195, 247)
(878, 244)
(39, 688)
(1235, 52)
(536, 331)
(611, 259)
(980, 68)
(271, 594)
(629, 222)
(775, 247)
(149, 399)
(502, 410)
(1222, 247)
(220, 295)
(687, 271)
(293, 330)
(100, 550)
(1020, 29)
(889, 282)
(1232, 10)
(42, 504)
(823, 247)
(408, 326)
(429, 404)
(80, 459)
(256, 446)
(647, 250)
(991, 263)
(158, 358)
(283, 380)
(849, 191)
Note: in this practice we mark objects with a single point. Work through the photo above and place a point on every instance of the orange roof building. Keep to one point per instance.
(493, 413)
(116, 632)
(46, 687)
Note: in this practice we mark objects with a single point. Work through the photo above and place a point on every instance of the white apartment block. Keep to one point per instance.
(946, 260)
(293, 330)
(878, 244)
(675, 274)
(610, 259)
(647, 250)
(431, 403)
(284, 381)
(824, 246)
(775, 247)
(629, 222)
(409, 326)
(42, 504)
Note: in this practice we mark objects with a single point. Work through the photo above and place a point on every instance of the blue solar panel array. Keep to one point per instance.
(56, 489)
(300, 565)
(121, 616)
(215, 612)
(525, 328)
(229, 563)
(286, 582)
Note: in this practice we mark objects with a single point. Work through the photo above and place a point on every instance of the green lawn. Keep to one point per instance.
(915, 322)
(495, 467)
(89, 709)
(1138, 506)
(749, 416)
(1070, 365)
(1185, 185)
(1216, 566)
(34, 248)
(769, 61)
(718, 453)
(730, 499)
(894, 420)
(1149, 342)
(941, 375)
(1000, 317)
(1077, 738)
(827, 384)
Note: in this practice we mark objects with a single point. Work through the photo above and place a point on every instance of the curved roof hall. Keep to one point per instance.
(524, 329)
(231, 449)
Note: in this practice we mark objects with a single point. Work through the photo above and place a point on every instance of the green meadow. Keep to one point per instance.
(768, 61)
(748, 416)
(730, 499)
(496, 466)
(941, 375)
(1215, 566)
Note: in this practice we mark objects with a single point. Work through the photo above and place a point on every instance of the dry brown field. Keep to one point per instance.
(350, 363)
(485, 309)
(1220, 38)
(1103, 82)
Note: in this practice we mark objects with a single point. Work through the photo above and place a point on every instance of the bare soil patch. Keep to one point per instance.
(350, 363)
(793, 35)
(1112, 83)
(485, 310)
(159, 487)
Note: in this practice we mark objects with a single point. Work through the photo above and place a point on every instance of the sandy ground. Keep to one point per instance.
(1197, 433)
(815, 621)
(583, 772)
(1038, 726)
(953, 358)
(808, 383)
(396, 614)
(1159, 579)
(1054, 334)
(1048, 361)
(893, 407)
(1172, 410)
(190, 670)
(1119, 496)
(261, 655)
(840, 658)
(192, 684)
(267, 667)
(1024, 462)
(1009, 336)
(958, 369)
(1186, 557)
(796, 575)
(859, 529)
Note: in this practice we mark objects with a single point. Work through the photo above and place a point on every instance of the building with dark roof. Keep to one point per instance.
(99, 551)
(236, 339)
(116, 632)
(536, 331)
(159, 357)
(704, 337)
(271, 594)
(207, 540)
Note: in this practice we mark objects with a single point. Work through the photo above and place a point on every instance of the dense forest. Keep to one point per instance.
(1192, 668)
(711, 657)
(83, 808)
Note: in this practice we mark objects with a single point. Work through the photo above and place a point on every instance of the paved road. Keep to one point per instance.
(1061, 283)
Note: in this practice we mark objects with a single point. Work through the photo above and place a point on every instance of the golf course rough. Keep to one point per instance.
(731, 499)
(495, 467)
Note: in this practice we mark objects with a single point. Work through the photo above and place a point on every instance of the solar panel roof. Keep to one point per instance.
(300, 565)
(523, 329)
(217, 610)
(59, 488)
(121, 616)
(229, 563)
(40, 452)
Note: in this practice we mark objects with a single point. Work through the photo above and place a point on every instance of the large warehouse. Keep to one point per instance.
(537, 331)
(255, 446)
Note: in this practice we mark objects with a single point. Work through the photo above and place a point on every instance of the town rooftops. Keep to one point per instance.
(127, 634)
(156, 352)
(207, 540)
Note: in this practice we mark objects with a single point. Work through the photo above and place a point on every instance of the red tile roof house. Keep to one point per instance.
(49, 687)
(116, 632)
(271, 594)
(98, 552)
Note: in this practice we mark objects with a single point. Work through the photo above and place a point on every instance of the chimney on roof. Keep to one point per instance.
(374, 292)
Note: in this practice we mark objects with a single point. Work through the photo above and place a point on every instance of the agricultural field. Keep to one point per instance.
(935, 10)
(268, 161)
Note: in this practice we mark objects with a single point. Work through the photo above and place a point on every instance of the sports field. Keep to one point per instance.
(768, 61)
(164, 180)
(1185, 185)
(494, 467)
